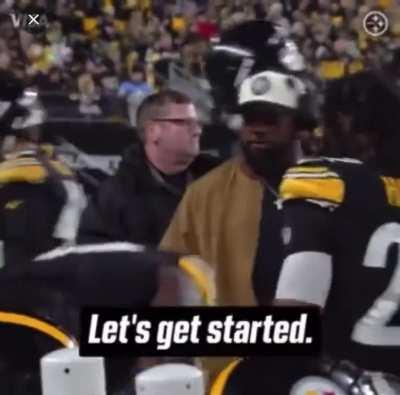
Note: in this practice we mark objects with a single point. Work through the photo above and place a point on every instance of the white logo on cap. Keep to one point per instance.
(260, 85)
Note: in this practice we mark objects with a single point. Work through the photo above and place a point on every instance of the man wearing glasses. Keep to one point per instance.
(137, 203)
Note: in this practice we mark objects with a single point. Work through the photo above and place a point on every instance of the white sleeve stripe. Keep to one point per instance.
(68, 220)
(326, 174)
(329, 159)
(306, 276)
(90, 248)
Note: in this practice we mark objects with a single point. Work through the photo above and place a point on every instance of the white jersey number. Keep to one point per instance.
(372, 328)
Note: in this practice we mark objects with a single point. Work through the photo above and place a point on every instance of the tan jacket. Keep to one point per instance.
(218, 219)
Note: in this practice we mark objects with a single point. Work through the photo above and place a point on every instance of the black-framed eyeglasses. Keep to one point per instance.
(183, 122)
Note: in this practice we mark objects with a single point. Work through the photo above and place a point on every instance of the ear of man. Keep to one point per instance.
(152, 132)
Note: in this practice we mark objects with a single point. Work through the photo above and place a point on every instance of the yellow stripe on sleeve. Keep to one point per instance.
(220, 382)
(392, 188)
(327, 189)
(38, 325)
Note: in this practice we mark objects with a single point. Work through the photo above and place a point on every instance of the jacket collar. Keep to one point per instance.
(135, 169)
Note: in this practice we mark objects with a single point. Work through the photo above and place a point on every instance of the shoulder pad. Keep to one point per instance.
(27, 170)
(315, 182)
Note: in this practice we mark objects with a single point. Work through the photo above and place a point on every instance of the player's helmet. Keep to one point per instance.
(20, 108)
(260, 58)
(361, 114)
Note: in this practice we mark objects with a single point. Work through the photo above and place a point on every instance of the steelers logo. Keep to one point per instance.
(375, 23)
(260, 86)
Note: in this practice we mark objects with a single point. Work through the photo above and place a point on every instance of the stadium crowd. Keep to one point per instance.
(110, 46)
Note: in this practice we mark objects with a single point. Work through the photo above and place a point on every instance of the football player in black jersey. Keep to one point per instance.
(341, 227)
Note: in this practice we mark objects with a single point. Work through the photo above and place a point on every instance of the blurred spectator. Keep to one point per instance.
(275, 14)
(157, 33)
(109, 83)
(393, 67)
(49, 82)
(88, 95)
(136, 88)
(5, 60)
(132, 60)
(6, 5)
(135, 26)
(178, 23)
(299, 30)
(193, 55)
(206, 28)
(337, 14)
(93, 6)
(394, 17)
(190, 9)
(138, 202)
(40, 58)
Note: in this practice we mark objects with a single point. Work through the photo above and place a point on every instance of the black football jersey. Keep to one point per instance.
(40, 205)
(340, 212)
(56, 286)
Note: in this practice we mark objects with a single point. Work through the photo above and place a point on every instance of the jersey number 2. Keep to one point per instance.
(372, 328)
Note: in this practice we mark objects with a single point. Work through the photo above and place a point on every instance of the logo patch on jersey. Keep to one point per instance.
(315, 385)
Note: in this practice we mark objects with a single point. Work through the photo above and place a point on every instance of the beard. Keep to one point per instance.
(270, 163)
